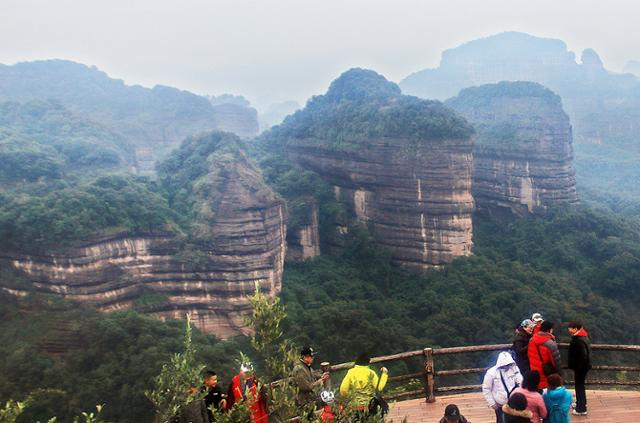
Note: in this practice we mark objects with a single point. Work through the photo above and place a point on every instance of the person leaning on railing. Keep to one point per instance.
(361, 382)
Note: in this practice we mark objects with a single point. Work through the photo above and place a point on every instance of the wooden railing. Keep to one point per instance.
(431, 376)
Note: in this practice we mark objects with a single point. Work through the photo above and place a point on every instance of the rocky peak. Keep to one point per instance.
(228, 237)
(523, 147)
(399, 163)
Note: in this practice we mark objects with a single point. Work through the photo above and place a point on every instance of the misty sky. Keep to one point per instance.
(275, 50)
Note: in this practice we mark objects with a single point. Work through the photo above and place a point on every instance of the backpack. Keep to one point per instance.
(556, 414)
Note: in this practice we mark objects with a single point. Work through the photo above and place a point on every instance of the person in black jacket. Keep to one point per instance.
(580, 363)
(521, 343)
(213, 394)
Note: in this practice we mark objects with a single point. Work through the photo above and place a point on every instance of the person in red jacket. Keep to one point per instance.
(241, 384)
(544, 354)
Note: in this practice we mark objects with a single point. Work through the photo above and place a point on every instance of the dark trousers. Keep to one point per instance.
(581, 396)
(499, 414)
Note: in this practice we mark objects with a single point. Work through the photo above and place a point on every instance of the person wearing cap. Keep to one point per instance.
(452, 415)
(499, 382)
(306, 379)
(361, 382)
(537, 320)
(520, 343)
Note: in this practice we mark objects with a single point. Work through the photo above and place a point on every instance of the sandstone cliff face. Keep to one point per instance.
(393, 161)
(523, 148)
(304, 242)
(418, 200)
(236, 240)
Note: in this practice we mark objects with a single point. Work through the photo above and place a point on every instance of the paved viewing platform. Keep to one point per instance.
(603, 406)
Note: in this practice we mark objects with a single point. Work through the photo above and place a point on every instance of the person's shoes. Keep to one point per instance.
(578, 413)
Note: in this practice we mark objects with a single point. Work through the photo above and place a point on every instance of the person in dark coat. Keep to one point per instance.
(515, 410)
(580, 363)
(193, 412)
(308, 381)
(521, 340)
(452, 415)
(213, 398)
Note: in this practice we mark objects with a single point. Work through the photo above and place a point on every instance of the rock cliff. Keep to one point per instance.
(523, 147)
(400, 164)
(232, 238)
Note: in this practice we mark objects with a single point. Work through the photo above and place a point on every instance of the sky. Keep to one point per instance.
(278, 50)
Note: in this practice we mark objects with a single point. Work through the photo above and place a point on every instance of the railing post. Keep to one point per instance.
(430, 373)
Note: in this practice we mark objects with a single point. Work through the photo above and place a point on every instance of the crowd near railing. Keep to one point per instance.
(434, 379)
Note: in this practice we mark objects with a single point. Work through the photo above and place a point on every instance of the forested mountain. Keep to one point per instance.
(363, 177)
(44, 139)
(151, 120)
(522, 150)
(604, 107)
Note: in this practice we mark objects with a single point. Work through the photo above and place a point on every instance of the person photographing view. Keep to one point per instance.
(308, 381)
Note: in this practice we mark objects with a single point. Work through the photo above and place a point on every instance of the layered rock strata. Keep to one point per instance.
(523, 148)
(304, 242)
(402, 165)
(236, 241)
(418, 200)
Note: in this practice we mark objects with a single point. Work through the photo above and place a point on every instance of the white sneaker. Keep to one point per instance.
(578, 413)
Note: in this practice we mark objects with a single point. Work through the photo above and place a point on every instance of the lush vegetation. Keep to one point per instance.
(43, 141)
(71, 358)
(42, 218)
(361, 105)
(577, 264)
(484, 95)
(574, 264)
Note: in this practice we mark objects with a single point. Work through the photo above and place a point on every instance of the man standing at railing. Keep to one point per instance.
(499, 382)
(580, 363)
(307, 380)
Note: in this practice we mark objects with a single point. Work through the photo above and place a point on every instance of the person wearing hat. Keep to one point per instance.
(537, 320)
(306, 379)
(452, 415)
(521, 343)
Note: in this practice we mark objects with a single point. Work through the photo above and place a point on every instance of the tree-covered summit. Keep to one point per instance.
(361, 105)
(484, 95)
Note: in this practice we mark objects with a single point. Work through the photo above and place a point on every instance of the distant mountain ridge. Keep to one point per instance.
(593, 96)
(152, 120)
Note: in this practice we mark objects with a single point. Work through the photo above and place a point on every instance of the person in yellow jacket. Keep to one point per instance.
(360, 382)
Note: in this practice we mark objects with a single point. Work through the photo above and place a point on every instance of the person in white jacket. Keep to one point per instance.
(499, 381)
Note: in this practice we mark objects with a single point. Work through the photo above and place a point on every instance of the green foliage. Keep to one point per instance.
(574, 264)
(70, 142)
(484, 95)
(277, 353)
(28, 161)
(109, 359)
(171, 386)
(11, 411)
(34, 222)
(361, 105)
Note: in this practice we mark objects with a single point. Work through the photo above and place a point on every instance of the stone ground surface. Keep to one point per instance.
(603, 406)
